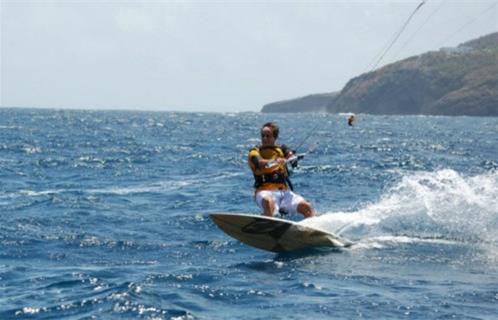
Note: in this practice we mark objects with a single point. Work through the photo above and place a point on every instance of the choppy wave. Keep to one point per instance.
(155, 187)
(106, 215)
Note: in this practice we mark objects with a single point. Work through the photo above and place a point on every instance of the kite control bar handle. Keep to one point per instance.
(291, 159)
(294, 158)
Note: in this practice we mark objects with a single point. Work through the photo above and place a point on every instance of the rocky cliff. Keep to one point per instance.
(451, 81)
(311, 103)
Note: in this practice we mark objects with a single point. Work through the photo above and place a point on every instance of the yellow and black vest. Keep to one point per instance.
(273, 178)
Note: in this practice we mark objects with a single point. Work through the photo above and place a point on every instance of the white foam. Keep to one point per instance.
(386, 241)
(158, 187)
(31, 149)
(31, 193)
(153, 187)
(440, 204)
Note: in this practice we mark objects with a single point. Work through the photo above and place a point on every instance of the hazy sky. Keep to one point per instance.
(211, 55)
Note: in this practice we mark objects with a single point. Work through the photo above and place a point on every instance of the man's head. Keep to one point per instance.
(269, 133)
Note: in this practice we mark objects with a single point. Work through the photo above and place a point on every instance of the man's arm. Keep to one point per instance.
(258, 162)
(287, 151)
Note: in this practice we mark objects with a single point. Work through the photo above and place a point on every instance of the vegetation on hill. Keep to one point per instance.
(451, 81)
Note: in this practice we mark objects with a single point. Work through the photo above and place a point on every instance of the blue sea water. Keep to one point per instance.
(105, 215)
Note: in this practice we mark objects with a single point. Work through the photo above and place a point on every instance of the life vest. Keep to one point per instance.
(273, 178)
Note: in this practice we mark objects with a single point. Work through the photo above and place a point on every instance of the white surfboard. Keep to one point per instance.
(274, 234)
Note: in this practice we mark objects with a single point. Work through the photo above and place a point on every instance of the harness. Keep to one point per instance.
(277, 175)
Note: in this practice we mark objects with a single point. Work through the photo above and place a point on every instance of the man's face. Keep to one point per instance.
(267, 138)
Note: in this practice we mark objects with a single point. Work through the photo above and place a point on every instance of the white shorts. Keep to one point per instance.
(285, 201)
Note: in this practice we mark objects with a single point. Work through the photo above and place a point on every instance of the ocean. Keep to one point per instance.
(105, 215)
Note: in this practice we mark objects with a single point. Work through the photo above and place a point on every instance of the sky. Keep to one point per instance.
(212, 56)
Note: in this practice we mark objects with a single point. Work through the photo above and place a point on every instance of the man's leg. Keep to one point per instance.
(305, 209)
(266, 201)
(295, 203)
(268, 206)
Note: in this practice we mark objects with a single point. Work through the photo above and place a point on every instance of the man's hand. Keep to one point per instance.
(275, 162)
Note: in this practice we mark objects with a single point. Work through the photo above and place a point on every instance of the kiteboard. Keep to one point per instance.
(275, 234)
